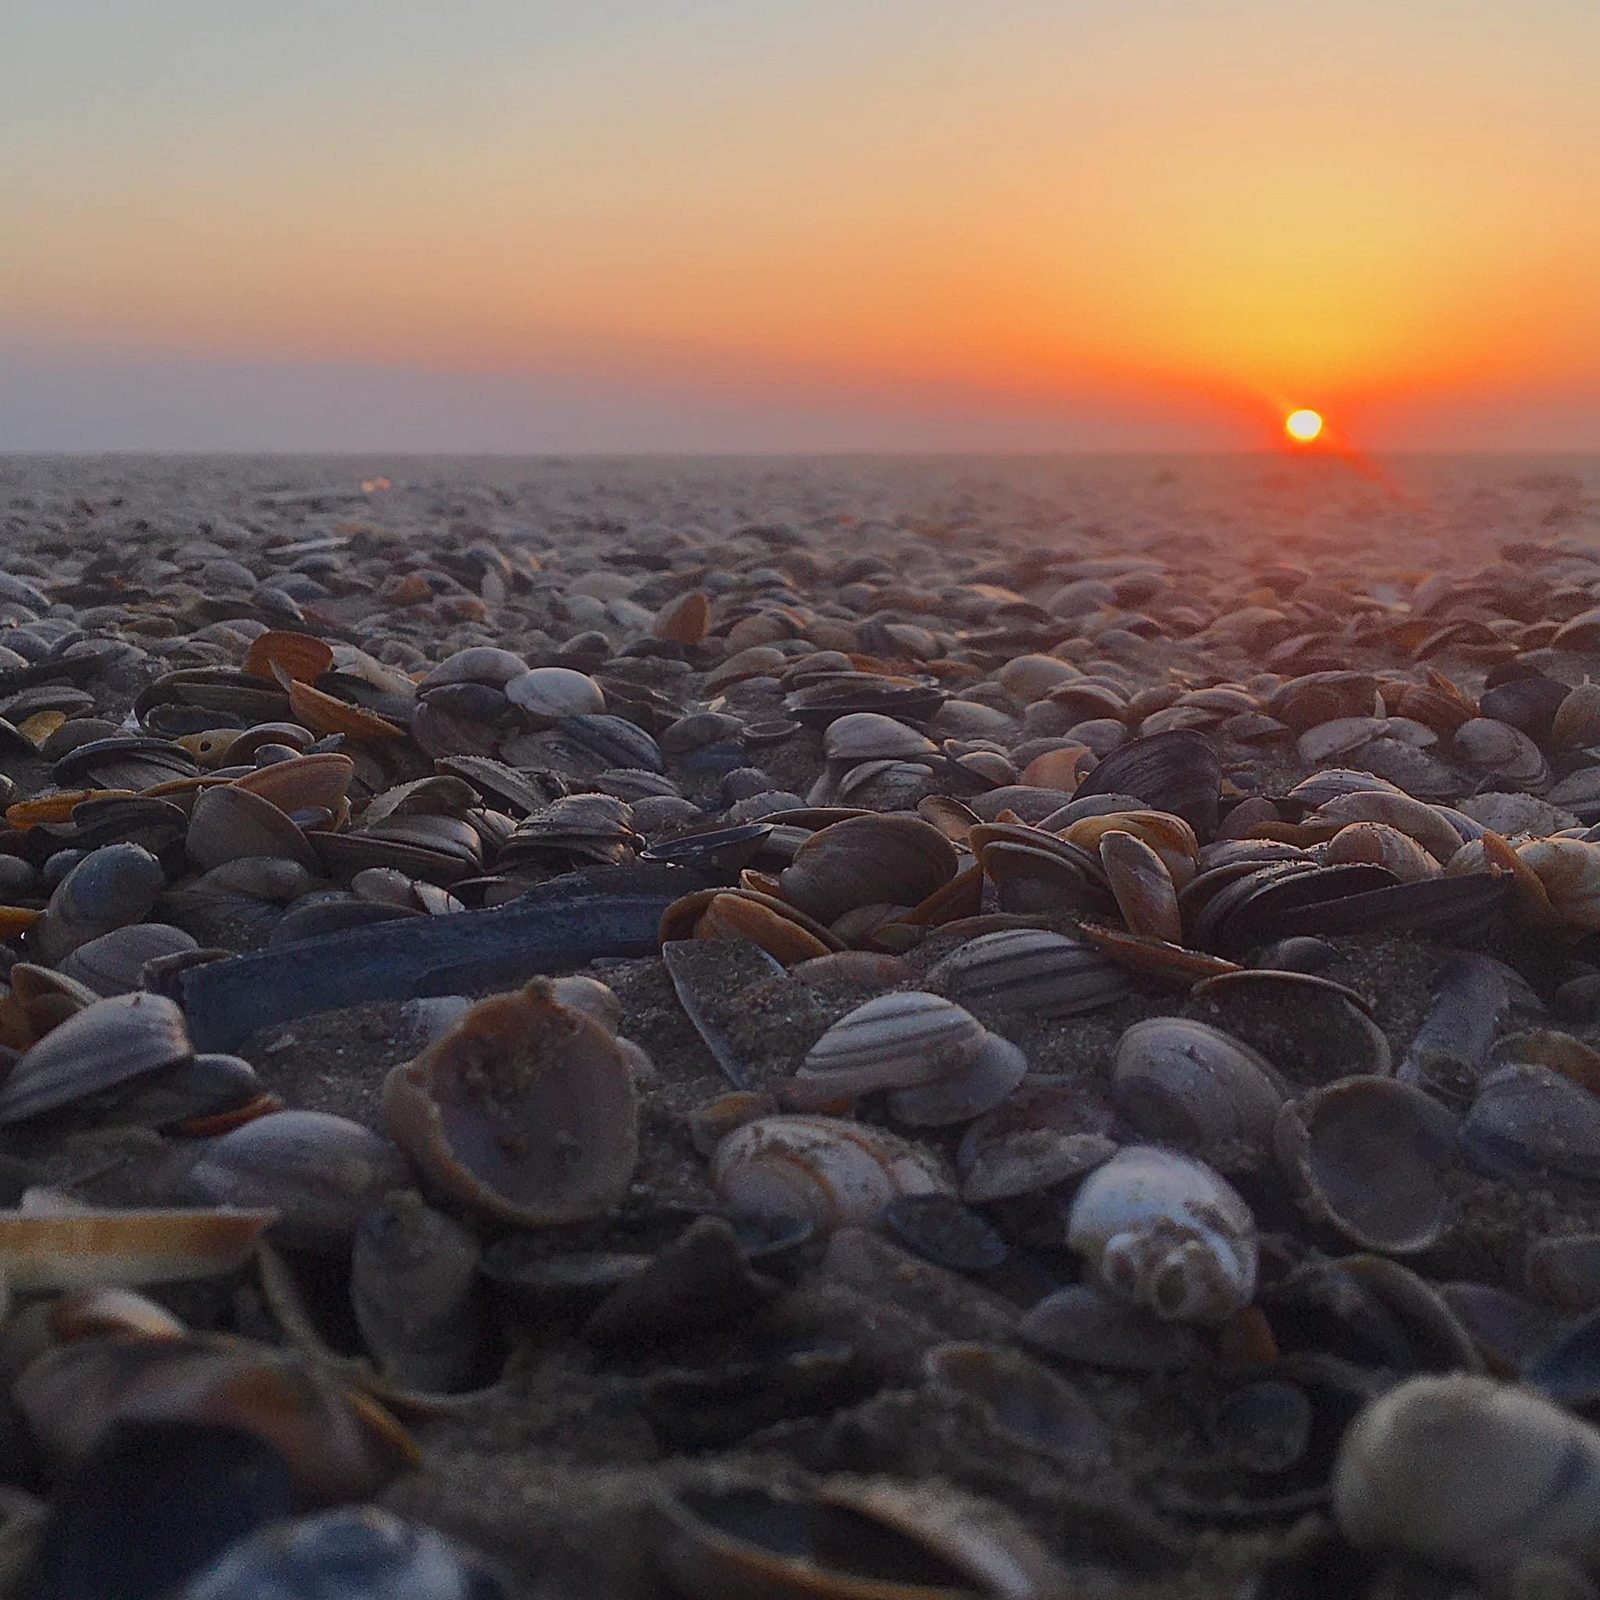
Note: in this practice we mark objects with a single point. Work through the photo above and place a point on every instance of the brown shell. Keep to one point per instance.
(684, 620)
(525, 1111)
(303, 783)
(297, 656)
(89, 1249)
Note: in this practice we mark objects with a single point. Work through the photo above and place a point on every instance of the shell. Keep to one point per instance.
(229, 823)
(867, 860)
(546, 694)
(1142, 885)
(1414, 818)
(298, 656)
(1177, 772)
(1467, 1472)
(526, 1111)
(1369, 1156)
(1166, 1232)
(1569, 870)
(323, 714)
(1192, 1085)
(831, 1172)
(302, 783)
(92, 1249)
(1384, 846)
(988, 1079)
(109, 888)
(1029, 970)
(869, 736)
(1531, 1121)
(1021, 1399)
(319, 1172)
(683, 620)
(894, 1041)
(114, 962)
(104, 1046)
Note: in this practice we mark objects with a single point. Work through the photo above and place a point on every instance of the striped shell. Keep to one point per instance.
(1027, 969)
(893, 1042)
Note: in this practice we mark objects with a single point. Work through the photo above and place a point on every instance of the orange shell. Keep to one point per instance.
(299, 656)
(37, 728)
(302, 782)
(323, 714)
(56, 807)
(684, 620)
(730, 916)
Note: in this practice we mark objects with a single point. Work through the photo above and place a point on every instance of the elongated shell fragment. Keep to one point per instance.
(1469, 1472)
(1165, 1232)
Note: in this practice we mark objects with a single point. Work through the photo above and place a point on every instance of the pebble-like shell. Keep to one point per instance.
(892, 1042)
(1383, 846)
(1468, 1472)
(114, 962)
(546, 694)
(1029, 970)
(1414, 818)
(870, 736)
(826, 1170)
(109, 888)
(1166, 1232)
(526, 1111)
(1192, 1085)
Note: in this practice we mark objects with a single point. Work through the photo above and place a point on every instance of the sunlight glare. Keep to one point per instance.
(1302, 426)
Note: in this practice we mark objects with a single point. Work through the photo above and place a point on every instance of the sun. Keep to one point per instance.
(1303, 425)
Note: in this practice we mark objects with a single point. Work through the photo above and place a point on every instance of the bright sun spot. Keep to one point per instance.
(1302, 426)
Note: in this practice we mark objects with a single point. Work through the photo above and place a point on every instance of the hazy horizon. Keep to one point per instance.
(747, 227)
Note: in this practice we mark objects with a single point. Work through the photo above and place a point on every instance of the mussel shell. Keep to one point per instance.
(1529, 1120)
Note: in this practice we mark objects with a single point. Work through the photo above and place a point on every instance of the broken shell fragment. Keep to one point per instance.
(1166, 1232)
(526, 1111)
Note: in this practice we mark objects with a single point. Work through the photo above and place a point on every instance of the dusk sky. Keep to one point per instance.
(748, 225)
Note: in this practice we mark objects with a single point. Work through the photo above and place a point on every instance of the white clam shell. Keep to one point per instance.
(1028, 969)
(1466, 1471)
(992, 1074)
(893, 1042)
(1166, 1232)
(825, 1169)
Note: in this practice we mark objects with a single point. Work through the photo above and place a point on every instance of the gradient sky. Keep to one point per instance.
(797, 224)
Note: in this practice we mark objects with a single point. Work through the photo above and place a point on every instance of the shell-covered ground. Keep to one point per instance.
(1206, 1202)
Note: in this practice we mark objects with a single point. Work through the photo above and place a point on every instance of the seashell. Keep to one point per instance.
(1383, 846)
(1022, 1400)
(546, 694)
(319, 1172)
(1414, 818)
(1340, 737)
(683, 620)
(1085, 1326)
(1577, 720)
(477, 664)
(1451, 1048)
(323, 714)
(989, 1078)
(787, 935)
(1142, 886)
(1169, 836)
(1369, 1156)
(831, 1172)
(869, 1540)
(867, 736)
(895, 1041)
(413, 1286)
(867, 860)
(1495, 747)
(355, 1553)
(1323, 787)
(1029, 970)
(1411, 769)
(1264, 1426)
(1163, 1231)
(109, 888)
(104, 1046)
(114, 962)
(1153, 958)
(1177, 772)
(92, 1249)
(301, 783)
(526, 1111)
(1529, 1121)
(1528, 704)
(1565, 1271)
(229, 823)
(1309, 1027)
(1191, 1085)
(942, 1230)
(1467, 1472)
(338, 1445)
(1569, 870)
(193, 1097)
(298, 656)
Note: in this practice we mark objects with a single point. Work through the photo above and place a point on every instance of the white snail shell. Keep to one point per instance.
(1166, 1232)
(1469, 1472)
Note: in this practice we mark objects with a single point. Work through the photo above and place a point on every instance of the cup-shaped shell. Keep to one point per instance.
(1192, 1085)
(1165, 1232)
(106, 1045)
(892, 1042)
(979, 1086)
(339, 1445)
(1169, 836)
(109, 888)
(90, 1249)
(1383, 846)
(229, 823)
(1569, 870)
(1369, 1157)
(526, 1111)
(1142, 885)
(1467, 1472)
(869, 860)
(828, 1171)
(1029, 970)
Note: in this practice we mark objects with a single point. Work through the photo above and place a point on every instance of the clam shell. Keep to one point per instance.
(546, 694)
(1143, 887)
(865, 861)
(1530, 1121)
(1383, 846)
(1192, 1085)
(831, 1172)
(114, 962)
(302, 783)
(1177, 772)
(981, 1085)
(124, 1248)
(895, 1041)
(1022, 1400)
(1369, 1157)
(1569, 870)
(229, 823)
(1309, 1027)
(1029, 970)
(526, 1111)
(109, 888)
(104, 1046)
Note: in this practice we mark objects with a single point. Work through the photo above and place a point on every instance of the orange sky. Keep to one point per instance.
(1149, 223)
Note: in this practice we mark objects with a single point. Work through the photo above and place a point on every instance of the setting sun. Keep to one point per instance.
(1302, 426)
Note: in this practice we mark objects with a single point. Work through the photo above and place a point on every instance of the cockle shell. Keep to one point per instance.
(824, 1169)
(526, 1111)
(1166, 1232)
(1468, 1472)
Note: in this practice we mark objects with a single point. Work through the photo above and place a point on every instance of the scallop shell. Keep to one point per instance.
(831, 1172)
(526, 1111)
